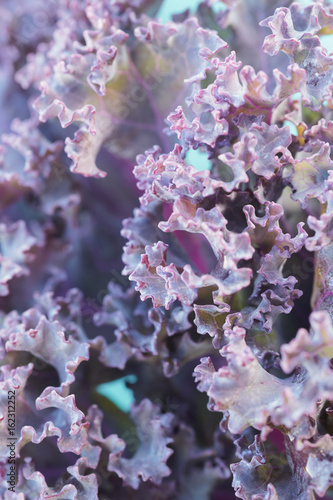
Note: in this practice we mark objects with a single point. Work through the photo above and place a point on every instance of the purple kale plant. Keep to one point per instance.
(166, 219)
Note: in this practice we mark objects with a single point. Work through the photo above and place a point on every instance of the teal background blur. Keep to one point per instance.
(170, 7)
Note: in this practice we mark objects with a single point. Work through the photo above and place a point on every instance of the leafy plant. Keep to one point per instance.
(211, 138)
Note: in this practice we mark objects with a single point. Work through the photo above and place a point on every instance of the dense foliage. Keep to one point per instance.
(223, 292)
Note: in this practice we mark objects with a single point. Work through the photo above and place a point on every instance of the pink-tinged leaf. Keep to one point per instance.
(257, 150)
(238, 91)
(319, 464)
(87, 483)
(140, 230)
(322, 131)
(229, 389)
(169, 177)
(287, 86)
(228, 247)
(271, 269)
(139, 331)
(16, 242)
(265, 305)
(27, 159)
(238, 170)
(279, 401)
(295, 33)
(115, 354)
(149, 283)
(84, 148)
(176, 286)
(284, 36)
(256, 476)
(114, 85)
(322, 292)
(14, 380)
(290, 26)
(33, 482)
(68, 424)
(18, 248)
(323, 230)
(199, 131)
(319, 342)
(271, 140)
(264, 230)
(184, 351)
(205, 44)
(162, 283)
(227, 86)
(209, 319)
(267, 230)
(149, 461)
(46, 340)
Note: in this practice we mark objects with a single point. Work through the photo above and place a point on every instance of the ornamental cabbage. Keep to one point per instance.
(166, 236)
